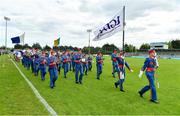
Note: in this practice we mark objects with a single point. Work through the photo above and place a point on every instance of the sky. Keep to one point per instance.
(43, 21)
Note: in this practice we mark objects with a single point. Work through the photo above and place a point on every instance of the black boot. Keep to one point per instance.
(140, 94)
(77, 82)
(154, 101)
(116, 85)
(80, 82)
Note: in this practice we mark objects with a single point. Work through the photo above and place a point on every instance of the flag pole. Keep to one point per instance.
(59, 42)
(23, 38)
(89, 31)
(123, 28)
(23, 42)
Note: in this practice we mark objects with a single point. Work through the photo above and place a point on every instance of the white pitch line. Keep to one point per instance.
(41, 99)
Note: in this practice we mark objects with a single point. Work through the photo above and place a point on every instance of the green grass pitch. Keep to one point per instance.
(94, 96)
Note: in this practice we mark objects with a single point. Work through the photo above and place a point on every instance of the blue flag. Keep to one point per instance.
(15, 39)
(18, 39)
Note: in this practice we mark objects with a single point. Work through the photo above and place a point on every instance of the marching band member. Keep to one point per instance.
(42, 65)
(114, 62)
(89, 63)
(121, 70)
(78, 67)
(85, 64)
(65, 60)
(99, 63)
(149, 66)
(52, 69)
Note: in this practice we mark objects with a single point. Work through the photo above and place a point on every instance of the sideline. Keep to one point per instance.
(41, 99)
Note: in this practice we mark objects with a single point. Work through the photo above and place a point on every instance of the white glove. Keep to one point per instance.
(157, 63)
(131, 70)
(158, 84)
(121, 75)
(140, 74)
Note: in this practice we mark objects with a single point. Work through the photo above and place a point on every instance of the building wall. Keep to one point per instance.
(159, 45)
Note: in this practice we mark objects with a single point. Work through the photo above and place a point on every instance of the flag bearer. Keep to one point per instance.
(42, 65)
(78, 67)
(150, 65)
(114, 62)
(99, 63)
(52, 69)
(121, 70)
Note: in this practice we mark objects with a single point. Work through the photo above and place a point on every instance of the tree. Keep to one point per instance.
(37, 46)
(56, 48)
(2, 47)
(25, 46)
(109, 48)
(71, 48)
(18, 46)
(175, 44)
(129, 48)
(95, 50)
(145, 47)
(126, 48)
(62, 48)
(46, 47)
(85, 50)
(169, 45)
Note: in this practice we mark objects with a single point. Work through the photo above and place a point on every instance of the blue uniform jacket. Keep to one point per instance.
(42, 61)
(121, 64)
(77, 58)
(99, 60)
(65, 59)
(149, 65)
(114, 57)
(51, 60)
(36, 59)
(89, 59)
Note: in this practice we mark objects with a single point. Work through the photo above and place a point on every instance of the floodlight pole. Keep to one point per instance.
(89, 31)
(6, 19)
(124, 23)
